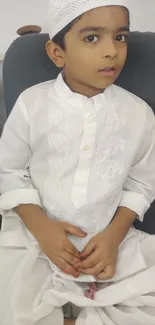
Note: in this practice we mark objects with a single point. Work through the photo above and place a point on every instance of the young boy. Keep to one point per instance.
(76, 169)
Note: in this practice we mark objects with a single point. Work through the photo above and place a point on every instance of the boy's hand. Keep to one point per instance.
(55, 244)
(100, 256)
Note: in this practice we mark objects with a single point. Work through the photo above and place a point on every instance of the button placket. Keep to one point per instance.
(81, 177)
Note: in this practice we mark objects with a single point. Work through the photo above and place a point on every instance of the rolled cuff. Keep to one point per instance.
(12, 199)
(136, 202)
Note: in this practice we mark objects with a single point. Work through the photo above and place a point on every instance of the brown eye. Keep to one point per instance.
(91, 39)
(122, 38)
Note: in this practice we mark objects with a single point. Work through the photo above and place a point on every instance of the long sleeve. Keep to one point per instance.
(139, 188)
(16, 186)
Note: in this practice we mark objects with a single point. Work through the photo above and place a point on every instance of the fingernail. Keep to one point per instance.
(76, 276)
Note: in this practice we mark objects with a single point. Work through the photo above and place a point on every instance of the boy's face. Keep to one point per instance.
(96, 50)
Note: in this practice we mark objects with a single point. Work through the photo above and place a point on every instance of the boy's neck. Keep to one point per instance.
(82, 89)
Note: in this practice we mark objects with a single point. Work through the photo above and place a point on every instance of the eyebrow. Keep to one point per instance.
(102, 29)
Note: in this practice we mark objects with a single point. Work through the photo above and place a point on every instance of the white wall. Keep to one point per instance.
(143, 15)
(16, 13)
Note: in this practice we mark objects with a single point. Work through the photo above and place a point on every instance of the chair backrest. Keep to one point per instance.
(26, 63)
(2, 105)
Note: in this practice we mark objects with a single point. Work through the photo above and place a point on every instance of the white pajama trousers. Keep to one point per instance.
(32, 292)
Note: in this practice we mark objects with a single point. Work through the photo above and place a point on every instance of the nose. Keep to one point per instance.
(109, 49)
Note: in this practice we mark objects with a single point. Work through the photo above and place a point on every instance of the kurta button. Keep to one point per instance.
(88, 116)
(86, 148)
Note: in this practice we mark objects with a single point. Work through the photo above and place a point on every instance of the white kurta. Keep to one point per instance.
(79, 159)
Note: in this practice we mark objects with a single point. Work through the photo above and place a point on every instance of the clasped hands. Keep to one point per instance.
(97, 259)
(99, 256)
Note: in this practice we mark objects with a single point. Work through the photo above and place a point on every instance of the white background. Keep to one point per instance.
(16, 13)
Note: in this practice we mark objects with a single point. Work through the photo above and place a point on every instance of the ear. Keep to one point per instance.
(55, 53)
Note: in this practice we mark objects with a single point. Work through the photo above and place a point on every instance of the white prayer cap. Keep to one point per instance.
(62, 12)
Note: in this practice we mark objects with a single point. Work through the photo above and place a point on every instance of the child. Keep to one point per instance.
(77, 167)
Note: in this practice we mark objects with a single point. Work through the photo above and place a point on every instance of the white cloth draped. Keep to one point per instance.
(33, 292)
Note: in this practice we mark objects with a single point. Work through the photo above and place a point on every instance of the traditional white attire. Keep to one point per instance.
(79, 159)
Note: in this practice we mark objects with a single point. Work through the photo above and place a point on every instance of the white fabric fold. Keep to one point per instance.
(32, 292)
(12, 199)
(136, 202)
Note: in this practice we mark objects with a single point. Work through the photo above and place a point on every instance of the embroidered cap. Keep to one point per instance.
(62, 12)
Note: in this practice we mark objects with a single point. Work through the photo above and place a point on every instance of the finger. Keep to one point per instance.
(66, 267)
(70, 229)
(70, 248)
(97, 269)
(88, 250)
(107, 273)
(90, 261)
(71, 259)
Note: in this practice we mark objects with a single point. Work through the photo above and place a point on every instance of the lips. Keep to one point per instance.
(108, 71)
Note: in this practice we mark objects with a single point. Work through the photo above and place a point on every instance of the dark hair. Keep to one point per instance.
(59, 38)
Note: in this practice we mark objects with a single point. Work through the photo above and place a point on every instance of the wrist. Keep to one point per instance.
(115, 235)
(33, 217)
(121, 224)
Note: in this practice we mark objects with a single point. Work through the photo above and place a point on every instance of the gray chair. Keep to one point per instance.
(2, 104)
(26, 63)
